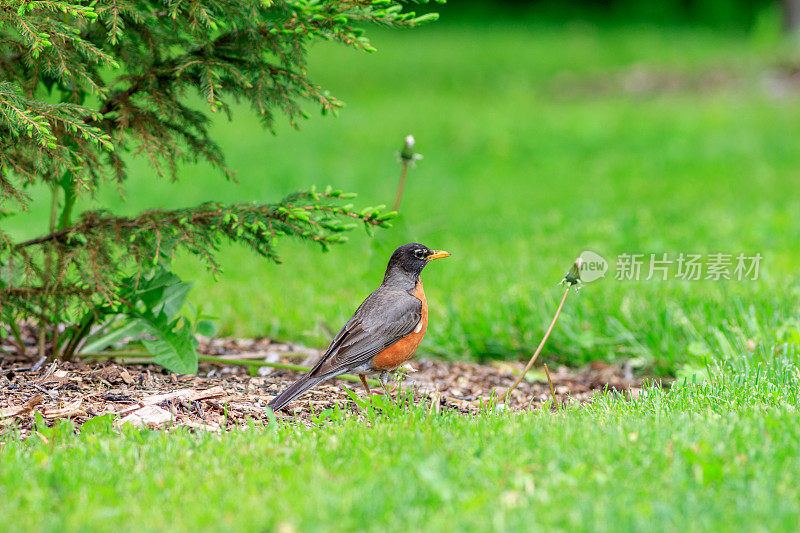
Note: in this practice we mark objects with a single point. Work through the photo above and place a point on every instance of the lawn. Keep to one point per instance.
(540, 141)
(721, 456)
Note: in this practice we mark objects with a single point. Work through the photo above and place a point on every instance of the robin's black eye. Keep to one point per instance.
(419, 253)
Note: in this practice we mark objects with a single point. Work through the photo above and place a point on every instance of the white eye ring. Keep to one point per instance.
(419, 253)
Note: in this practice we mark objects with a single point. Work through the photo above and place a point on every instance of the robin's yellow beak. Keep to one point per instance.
(438, 254)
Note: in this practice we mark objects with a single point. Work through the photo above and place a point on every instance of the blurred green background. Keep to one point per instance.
(616, 127)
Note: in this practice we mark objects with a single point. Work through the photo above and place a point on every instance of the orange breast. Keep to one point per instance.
(398, 353)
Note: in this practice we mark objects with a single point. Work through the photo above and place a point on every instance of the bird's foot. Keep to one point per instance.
(384, 391)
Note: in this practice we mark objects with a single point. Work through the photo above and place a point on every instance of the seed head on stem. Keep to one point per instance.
(573, 277)
(407, 158)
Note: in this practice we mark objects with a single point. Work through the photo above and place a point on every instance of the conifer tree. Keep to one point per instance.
(85, 85)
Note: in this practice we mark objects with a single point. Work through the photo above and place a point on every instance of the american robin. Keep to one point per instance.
(385, 330)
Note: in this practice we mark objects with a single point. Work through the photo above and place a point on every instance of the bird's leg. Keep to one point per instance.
(364, 382)
(366, 387)
(396, 384)
(383, 378)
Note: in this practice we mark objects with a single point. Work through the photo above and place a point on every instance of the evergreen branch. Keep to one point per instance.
(232, 221)
(125, 72)
(29, 292)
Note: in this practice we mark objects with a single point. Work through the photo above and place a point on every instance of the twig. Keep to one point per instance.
(552, 390)
(245, 362)
(49, 237)
(144, 357)
(113, 102)
(257, 355)
(572, 278)
(283, 366)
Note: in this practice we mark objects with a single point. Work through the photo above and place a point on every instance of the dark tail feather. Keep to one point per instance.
(294, 390)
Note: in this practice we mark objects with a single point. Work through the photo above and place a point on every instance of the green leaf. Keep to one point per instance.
(163, 291)
(99, 425)
(205, 327)
(359, 401)
(173, 348)
(174, 298)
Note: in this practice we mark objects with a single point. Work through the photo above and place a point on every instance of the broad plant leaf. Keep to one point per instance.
(152, 306)
(174, 298)
(206, 327)
(162, 291)
(174, 348)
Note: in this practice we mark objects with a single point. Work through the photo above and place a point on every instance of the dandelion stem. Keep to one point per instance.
(401, 185)
(407, 157)
(539, 349)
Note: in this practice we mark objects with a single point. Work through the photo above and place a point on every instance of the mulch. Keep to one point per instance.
(224, 396)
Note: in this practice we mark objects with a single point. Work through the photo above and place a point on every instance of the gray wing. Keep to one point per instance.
(385, 317)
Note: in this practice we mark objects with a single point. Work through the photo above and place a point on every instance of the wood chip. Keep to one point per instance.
(22, 409)
(150, 416)
(198, 425)
(126, 377)
(182, 394)
(64, 412)
(185, 394)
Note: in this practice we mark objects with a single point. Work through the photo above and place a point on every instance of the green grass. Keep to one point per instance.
(719, 456)
(531, 156)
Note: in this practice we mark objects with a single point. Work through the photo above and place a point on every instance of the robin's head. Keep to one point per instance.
(411, 258)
